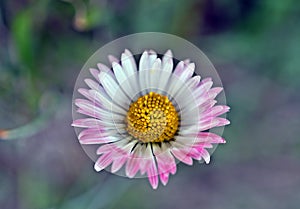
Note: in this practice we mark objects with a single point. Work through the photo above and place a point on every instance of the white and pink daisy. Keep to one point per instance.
(145, 118)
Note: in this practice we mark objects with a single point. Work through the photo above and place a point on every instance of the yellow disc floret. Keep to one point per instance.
(152, 118)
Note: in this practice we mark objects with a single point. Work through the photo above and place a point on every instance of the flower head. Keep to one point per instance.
(145, 117)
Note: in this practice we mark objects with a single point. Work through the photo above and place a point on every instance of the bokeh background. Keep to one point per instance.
(255, 46)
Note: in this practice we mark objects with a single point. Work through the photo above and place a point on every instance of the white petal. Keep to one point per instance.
(203, 88)
(143, 68)
(114, 90)
(128, 64)
(193, 82)
(174, 85)
(107, 102)
(123, 79)
(154, 74)
(119, 72)
(167, 67)
(167, 57)
(152, 57)
(188, 72)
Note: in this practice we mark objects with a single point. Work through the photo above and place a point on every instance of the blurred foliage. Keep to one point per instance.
(255, 47)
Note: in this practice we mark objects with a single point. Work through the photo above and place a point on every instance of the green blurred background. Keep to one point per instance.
(255, 46)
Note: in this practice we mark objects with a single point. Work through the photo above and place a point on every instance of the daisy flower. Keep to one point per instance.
(145, 116)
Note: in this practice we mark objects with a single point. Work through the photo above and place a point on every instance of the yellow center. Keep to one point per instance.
(152, 118)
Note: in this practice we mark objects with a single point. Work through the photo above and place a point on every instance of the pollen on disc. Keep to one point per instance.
(152, 118)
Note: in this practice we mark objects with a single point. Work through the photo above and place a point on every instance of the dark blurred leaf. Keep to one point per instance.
(23, 37)
(94, 17)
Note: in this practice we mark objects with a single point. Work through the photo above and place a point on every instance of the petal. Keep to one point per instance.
(179, 69)
(128, 63)
(187, 61)
(104, 68)
(205, 155)
(89, 108)
(86, 123)
(129, 66)
(119, 72)
(90, 134)
(118, 163)
(187, 72)
(143, 68)
(133, 165)
(95, 73)
(150, 167)
(213, 92)
(152, 174)
(107, 103)
(165, 160)
(182, 155)
(209, 137)
(193, 82)
(114, 90)
(168, 56)
(154, 75)
(152, 57)
(164, 178)
(86, 94)
(212, 122)
(92, 84)
(112, 59)
(215, 111)
(167, 67)
(103, 161)
(90, 131)
(97, 140)
(203, 87)
(123, 79)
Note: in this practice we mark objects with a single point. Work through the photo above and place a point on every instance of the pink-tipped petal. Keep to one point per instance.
(188, 72)
(205, 155)
(92, 84)
(164, 178)
(179, 69)
(118, 163)
(187, 61)
(90, 131)
(210, 137)
(95, 73)
(132, 166)
(182, 156)
(105, 148)
(152, 174)
(86, 123)
(112, 59)
(193, 82)
(213, 92)
(97, 140)
(209, 123)
(104, 68)
(203, 88)
(103, 161)
(85, 93)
